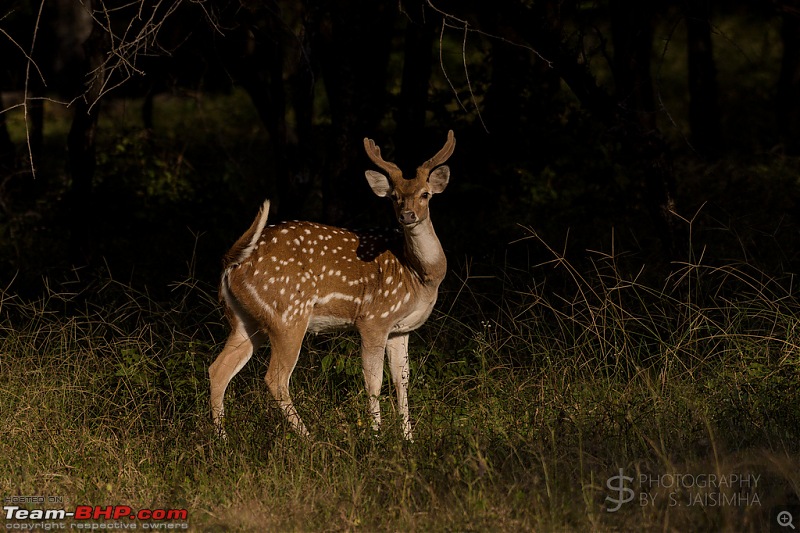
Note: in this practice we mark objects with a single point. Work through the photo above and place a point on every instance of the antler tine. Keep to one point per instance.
(443, 154)
(374, 153)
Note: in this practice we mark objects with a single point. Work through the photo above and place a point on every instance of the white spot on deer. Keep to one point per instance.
(388, 280)
(284, 231)
(406, 298)
(384, 314)
(335, 296)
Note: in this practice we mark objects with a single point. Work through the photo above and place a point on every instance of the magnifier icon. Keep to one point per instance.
(785, 519)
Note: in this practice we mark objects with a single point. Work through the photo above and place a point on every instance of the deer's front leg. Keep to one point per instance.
(397, 351)
(373, 346)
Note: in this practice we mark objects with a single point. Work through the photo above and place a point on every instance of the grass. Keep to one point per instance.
(524, 404)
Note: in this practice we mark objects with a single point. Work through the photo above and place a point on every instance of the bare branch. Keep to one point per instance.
(464, 24)
(444, 71)
(27, 81)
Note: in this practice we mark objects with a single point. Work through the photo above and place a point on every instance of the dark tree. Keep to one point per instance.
(7, 149)
(704, 115)
(788, 94)
(354, 54)
(81, 144)
(632, 36)
(417, 65)
(255, 51)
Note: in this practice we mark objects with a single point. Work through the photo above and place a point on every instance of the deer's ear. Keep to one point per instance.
(439, 179)
(379, 183)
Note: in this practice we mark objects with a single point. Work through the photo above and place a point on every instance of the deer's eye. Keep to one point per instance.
(425, 195)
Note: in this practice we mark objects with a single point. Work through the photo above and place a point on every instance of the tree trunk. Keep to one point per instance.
(7, 149)
(704, 116)
(413, 104)
(643, 147)
(302, 81)
(256, 61)
(255, 53)
(81, 147)
(788, 94)
(632, 36)
(354, 61)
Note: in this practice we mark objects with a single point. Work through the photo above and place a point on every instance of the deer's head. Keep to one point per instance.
(410, 196)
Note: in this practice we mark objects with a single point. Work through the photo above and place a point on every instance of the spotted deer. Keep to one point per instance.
(284, 280)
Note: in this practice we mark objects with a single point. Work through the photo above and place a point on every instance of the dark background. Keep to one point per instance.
(139, 139)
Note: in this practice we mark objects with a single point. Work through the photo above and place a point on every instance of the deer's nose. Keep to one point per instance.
(408, 217)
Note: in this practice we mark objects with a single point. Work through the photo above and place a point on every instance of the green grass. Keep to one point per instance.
(524, 404)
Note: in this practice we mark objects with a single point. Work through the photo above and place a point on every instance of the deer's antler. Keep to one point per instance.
(374, 153)
(443, 154)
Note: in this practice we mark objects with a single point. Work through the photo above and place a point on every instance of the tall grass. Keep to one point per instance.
(530, 389)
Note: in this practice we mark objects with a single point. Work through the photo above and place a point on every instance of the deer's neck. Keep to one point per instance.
(425, 254)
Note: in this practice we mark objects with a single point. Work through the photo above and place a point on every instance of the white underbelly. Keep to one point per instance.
(320, 323)
(415, 318)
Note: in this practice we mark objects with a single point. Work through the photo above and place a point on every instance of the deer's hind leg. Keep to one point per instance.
(242, 342)
(285, 351)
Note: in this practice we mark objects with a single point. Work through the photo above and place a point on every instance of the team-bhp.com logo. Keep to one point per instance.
(95, 517)
(702, 490)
